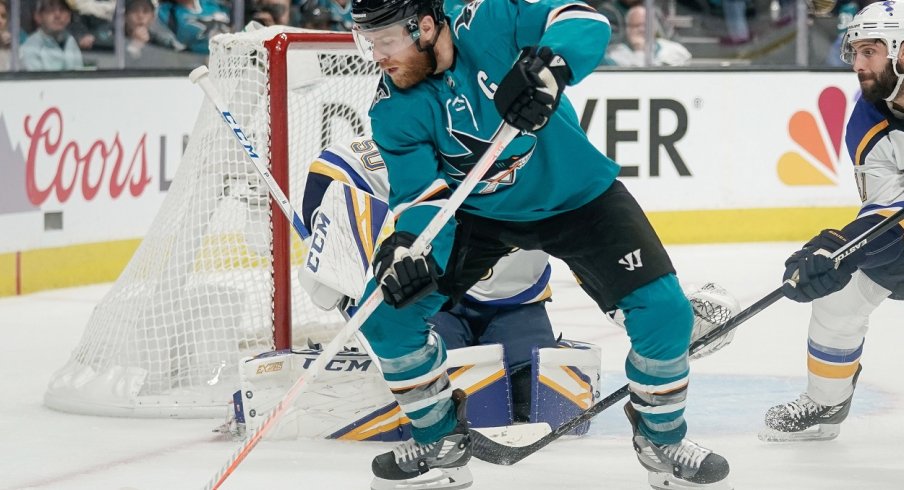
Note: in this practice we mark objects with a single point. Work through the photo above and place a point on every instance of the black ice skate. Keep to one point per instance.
(679, 466)
(790, 422)
(439, 465)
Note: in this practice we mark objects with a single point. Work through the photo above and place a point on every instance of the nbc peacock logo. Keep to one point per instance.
(815, 161)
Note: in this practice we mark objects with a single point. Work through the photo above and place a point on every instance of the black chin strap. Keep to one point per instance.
(430, 49)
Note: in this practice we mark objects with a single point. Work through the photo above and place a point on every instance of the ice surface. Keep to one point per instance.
(730, 391)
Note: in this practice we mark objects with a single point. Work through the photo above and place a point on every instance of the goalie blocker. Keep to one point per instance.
(351, 401)
(345, 230)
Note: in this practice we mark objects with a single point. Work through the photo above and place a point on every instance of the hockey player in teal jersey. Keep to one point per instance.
(506, 306)
(844, 297)
(450, 79)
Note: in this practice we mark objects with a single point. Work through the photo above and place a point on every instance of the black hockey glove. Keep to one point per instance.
(404, 278)
(817, 275)
(530, 91)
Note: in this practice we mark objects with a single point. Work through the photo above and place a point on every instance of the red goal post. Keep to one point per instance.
(215, 278)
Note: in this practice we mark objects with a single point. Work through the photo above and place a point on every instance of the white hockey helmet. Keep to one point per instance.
(882, 21)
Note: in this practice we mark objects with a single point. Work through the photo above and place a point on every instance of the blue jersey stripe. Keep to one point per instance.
(875, 207)
(526, 295)
(336, 160)
(828, 354)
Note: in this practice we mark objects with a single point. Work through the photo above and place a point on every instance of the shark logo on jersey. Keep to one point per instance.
(502, 173)
(382, 92)
(467, 15)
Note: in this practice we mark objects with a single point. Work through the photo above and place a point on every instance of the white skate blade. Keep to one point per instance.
(517, 435)
(825, 432)
(668, 481)
(435, 479)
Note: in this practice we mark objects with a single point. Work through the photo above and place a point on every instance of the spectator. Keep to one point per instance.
(624, 6)
(51, 46)
(94, 28)
(631, 51)
(194, 21)
(147, 39)
(5, 36)
(785, 13)
(735, 12)
(340, 14)
(272, 12)
(315, 16)
(139, 17)
(846, 12)
(92, 24)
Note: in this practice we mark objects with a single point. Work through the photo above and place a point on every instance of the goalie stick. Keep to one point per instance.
(491, 451)
(501, 139)
(199, 76)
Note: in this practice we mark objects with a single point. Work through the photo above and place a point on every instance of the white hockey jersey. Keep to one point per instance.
(875, 141)
(520, 277)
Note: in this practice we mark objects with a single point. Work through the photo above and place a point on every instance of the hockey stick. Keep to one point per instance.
(492, 452)
(199, 76)
(502, 138)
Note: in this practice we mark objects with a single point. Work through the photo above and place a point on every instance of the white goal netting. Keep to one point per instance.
(215, 278)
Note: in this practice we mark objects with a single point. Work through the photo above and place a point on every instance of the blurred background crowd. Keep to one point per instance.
(53, 35)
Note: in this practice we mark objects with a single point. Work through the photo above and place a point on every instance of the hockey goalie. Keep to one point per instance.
(499, 337)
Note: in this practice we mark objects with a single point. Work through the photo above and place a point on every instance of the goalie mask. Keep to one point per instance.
(881, 21)
(384, 28)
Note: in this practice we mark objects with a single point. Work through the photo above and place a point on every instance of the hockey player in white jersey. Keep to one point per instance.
(843, 298)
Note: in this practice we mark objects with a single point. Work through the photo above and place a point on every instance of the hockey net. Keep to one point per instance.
(215, 278)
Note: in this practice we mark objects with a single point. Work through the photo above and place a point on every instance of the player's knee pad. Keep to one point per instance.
(393, 332)
(846, 312)
(658, 318)
(566, 381)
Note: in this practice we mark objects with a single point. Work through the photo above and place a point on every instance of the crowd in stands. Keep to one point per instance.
(64, 34)
(75, 34)
(631, 51)
(5, 35)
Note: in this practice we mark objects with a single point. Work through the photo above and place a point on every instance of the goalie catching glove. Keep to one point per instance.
(530, 92)
(403, 277)
(713, 307)
(811, 274)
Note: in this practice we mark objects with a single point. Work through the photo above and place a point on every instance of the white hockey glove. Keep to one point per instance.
(713, 306)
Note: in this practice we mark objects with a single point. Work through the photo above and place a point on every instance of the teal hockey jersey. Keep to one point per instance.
(431, 134)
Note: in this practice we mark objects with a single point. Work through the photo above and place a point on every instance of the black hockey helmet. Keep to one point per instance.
(370, 14)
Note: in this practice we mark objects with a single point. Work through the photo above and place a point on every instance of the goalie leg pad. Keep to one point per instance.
(566, 381)
(349, 400)
(481, 372)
